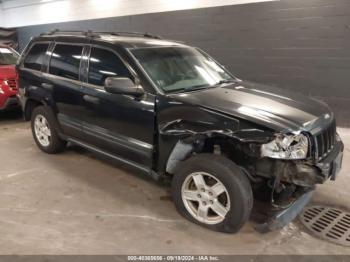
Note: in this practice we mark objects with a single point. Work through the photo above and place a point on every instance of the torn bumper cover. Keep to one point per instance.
(328, 168)
(331, 165)
(304, 173)
(283, 217)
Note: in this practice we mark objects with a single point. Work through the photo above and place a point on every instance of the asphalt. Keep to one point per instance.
(78, 203)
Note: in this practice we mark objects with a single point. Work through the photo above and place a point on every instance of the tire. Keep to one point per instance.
(237, 199)
(49, 128)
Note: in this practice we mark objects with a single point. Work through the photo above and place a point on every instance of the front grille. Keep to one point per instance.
(12, 83)
(324, 141)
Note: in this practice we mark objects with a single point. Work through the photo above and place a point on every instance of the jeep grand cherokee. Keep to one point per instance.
(171, 110)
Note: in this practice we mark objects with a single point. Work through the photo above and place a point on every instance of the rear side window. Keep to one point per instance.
(103, 64)
(35, 57)
(65, 61)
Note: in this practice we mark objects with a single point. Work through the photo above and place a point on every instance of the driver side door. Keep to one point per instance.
(121, 125)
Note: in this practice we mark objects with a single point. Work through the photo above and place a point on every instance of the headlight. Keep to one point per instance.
(286, 147)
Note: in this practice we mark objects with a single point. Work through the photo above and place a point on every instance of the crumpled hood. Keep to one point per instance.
(271, 107)
(7, 71)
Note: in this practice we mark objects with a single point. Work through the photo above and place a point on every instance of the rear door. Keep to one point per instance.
(120, 124)
(63, 78)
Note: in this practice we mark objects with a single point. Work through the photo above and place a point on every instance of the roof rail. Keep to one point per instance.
(91, 33)
(88, 33)
(131, 34)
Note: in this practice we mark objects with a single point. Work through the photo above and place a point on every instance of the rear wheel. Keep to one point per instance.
(45, 132)
(212, 191)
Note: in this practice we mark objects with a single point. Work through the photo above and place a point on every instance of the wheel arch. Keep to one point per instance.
(220, 142)
(29, 107)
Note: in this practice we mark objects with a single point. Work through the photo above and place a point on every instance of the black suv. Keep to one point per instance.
(170, 110)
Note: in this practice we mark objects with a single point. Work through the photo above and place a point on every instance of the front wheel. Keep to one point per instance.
(212, 191)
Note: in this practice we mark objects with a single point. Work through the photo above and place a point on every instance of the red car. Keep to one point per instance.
(8, 78)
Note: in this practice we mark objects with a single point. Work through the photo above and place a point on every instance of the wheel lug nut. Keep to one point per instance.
(210, 193)
(199, 196)
(211, 202)
(204, 203)
(203, 190)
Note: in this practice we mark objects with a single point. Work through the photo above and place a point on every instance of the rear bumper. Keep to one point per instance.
(22, 98)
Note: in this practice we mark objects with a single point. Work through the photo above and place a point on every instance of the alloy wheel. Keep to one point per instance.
(42, 130)
(205, 198)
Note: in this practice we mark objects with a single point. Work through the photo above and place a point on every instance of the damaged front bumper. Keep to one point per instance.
(304, 173)
(308, 176)
(281, 218)
(331, 165)
(318, 173)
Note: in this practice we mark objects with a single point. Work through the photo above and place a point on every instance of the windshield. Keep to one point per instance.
(7, 56)
(180, 68)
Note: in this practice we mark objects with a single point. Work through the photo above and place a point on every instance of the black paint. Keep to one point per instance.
(300, 45)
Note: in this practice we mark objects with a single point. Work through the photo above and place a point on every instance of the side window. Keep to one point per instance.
(103, 64)
(65, 61)
(35, 57)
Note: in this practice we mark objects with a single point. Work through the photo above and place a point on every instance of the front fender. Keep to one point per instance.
(191, 140)
(182, 124)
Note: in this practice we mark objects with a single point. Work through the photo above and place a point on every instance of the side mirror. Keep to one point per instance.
(123, 86)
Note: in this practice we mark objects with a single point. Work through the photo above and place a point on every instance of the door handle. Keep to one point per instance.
(91, 99)
(47, 86)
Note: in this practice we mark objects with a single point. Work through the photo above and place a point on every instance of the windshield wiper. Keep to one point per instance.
(197, 87)
(225, 81)
(204, 86)
(190, 88)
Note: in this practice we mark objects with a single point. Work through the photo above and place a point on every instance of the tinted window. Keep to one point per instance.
(65, 61)
(35, 57)
(103, 64)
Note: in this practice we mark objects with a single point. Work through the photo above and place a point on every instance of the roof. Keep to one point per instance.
(125, 39)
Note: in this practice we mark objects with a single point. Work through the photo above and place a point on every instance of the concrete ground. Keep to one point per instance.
(76, 203)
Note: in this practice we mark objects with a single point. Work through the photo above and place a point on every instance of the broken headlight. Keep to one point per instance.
(293, 146)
